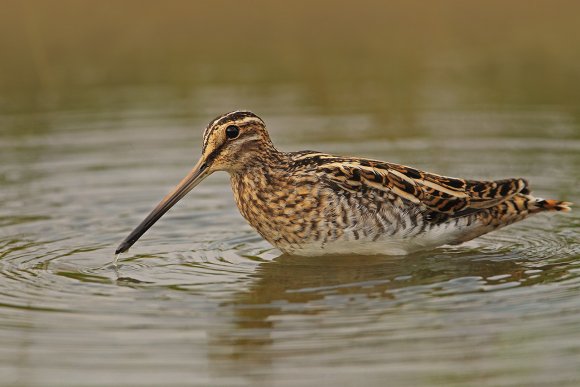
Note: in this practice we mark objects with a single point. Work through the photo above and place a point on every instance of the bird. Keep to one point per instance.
(310, 203)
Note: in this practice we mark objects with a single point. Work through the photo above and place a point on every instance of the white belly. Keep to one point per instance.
(400, 244)
(382, 246)
(350, 247)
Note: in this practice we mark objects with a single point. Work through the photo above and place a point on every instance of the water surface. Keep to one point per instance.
(203, 298)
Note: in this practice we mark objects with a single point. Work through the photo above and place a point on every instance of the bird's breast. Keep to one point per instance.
(282, 210)
(303, 216)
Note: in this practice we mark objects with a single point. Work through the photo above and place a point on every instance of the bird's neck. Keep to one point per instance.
(266, 160)
(257, 185)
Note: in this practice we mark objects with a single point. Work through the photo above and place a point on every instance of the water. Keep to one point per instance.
(96, 126)
(201, 297)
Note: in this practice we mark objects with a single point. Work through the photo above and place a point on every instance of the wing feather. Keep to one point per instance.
(441, 194)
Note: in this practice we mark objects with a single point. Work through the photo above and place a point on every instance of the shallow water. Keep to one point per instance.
(202, 298)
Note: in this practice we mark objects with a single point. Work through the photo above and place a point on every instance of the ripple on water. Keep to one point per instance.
(202, 294)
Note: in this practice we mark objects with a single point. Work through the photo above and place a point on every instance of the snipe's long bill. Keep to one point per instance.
(311, 203)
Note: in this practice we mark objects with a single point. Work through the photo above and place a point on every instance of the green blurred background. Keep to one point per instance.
(403, 55)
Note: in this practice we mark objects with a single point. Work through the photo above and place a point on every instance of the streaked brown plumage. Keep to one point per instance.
(311, 203)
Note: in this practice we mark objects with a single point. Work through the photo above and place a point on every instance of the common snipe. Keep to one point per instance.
(311, 203)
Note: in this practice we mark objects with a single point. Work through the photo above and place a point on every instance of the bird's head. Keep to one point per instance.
(231, 142)
(234, 140)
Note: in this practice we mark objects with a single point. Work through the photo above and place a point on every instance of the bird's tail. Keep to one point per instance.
(510, 211)
(541, 205)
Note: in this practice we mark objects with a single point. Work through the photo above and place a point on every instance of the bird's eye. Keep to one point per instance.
(232, 132)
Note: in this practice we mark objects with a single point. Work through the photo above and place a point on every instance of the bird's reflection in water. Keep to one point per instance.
(300, 305)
